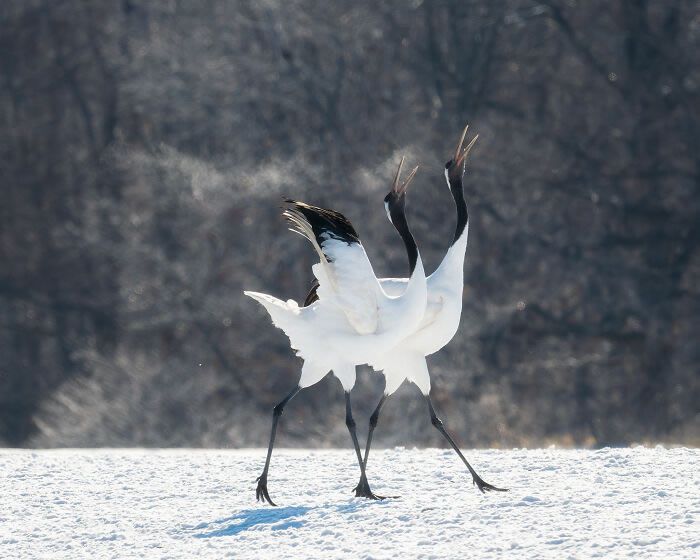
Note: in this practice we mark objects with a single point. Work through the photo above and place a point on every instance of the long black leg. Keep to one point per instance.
(350, 423)
(261, 493)
(362, 490)
(483, 486)
(372, 424)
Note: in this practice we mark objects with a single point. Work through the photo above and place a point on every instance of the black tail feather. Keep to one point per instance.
(312, 295)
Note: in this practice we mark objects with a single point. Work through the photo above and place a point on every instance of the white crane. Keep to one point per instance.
(441, 320)
(348, 319)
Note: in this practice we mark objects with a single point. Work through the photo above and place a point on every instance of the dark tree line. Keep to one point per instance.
(145, 148)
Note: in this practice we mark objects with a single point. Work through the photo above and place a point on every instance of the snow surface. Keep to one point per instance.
(637, 502)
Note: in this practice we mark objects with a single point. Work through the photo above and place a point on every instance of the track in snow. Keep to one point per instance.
(201, 503)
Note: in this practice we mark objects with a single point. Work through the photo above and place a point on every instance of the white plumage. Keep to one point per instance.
(354, 320)
(437, 327)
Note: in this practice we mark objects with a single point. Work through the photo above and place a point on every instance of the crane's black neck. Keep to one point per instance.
(457, 191)
(398, 219)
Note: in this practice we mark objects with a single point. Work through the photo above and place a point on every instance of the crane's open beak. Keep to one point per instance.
(404, 185)
(401, 190)
(461, 141)
(398, 174)
(460, 158)
(467, 150)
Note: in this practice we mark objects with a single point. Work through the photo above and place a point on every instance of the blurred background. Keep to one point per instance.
(145, 148)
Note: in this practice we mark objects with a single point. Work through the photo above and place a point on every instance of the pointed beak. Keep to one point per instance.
(461, 141)
(467, 149)
(404, 185)
(398, 174)
(401, 190)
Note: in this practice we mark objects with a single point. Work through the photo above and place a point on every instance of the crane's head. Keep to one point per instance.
(454, 169)
(395, 201)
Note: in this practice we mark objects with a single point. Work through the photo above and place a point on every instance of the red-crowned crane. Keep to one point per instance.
(349, 319)
(441, 319)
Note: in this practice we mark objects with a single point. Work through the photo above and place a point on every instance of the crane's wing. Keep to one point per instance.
(345, 276)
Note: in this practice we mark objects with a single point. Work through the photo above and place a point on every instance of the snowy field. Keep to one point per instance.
(611, 503)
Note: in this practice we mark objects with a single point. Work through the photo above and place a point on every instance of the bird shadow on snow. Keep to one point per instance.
(278, 519)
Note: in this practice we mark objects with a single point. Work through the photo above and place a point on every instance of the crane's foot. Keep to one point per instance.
(261, 493)
(362, 490)
(485, 486)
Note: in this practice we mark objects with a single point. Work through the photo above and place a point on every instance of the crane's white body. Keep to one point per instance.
(438, 326)
(354, 321)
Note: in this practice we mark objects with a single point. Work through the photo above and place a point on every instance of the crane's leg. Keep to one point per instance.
(261, 493)
(372, 424)
(362, 490)
(483, 486)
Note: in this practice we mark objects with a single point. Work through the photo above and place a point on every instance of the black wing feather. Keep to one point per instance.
(326, 223)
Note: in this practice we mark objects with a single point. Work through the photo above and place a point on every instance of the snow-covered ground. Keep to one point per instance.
(608, 503)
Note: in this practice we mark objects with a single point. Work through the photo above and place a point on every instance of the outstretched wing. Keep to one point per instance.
(345, 276)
